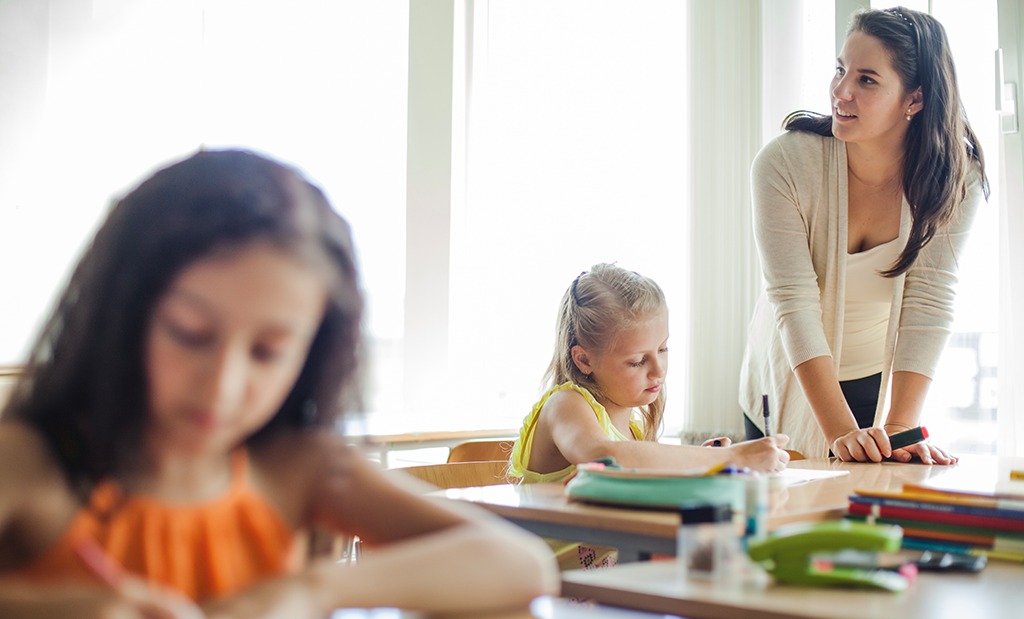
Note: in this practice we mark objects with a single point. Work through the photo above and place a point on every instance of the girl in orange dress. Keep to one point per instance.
(173, 432)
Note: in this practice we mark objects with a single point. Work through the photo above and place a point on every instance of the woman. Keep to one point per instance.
(860, 218)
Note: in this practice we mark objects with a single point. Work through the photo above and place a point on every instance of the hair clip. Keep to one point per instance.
(897, 13)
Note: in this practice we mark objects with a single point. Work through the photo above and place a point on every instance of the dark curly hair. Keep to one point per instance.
(84, 386)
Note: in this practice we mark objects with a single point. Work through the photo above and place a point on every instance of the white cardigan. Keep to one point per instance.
(799, 192)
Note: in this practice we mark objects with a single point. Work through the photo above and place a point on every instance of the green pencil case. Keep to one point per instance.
(608, 483)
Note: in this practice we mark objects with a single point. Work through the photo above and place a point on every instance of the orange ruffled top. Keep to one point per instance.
(204, 550)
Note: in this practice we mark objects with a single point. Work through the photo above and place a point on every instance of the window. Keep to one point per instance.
(576, 153)
(126, 85)
(961, 407)
(571, 144)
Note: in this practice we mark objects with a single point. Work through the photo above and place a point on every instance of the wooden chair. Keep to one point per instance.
(476, 451)
(795, 455)
(346, 548)
(461, 474)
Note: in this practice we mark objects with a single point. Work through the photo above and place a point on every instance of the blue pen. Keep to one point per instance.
(764, 411)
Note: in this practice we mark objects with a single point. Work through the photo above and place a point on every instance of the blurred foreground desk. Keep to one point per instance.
(655, 586)
(541, 608)
(639, 533)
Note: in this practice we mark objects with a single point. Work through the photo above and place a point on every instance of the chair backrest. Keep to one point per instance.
(475, 451)
(461, 474)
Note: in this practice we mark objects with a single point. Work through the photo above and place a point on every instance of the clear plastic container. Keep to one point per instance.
(756, 506)
(708, 547)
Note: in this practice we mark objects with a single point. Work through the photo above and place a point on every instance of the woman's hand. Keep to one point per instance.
(926, 452)
(764, 454)
(872, 444)
(862, 445)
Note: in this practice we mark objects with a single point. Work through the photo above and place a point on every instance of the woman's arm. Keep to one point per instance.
(925, 318)
(847, 441)
(787, 210)
(791, 200)
(909, 390)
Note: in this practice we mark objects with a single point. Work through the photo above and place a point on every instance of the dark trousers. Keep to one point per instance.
(861, 394)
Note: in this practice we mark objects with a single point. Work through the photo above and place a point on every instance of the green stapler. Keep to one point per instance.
(834, 553)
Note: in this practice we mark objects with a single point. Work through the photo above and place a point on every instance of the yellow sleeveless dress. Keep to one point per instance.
(571, 555)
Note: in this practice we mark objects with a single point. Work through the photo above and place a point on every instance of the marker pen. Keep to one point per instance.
(908, 437)
(764, 411)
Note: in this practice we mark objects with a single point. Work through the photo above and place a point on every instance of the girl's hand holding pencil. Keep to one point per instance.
(134, 597)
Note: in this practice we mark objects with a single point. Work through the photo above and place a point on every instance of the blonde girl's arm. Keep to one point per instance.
(576, 434)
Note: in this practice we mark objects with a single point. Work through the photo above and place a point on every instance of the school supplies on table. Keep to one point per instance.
(991, 478)
(834, 553)
(949, 562)
(608, 483)
(947, 522)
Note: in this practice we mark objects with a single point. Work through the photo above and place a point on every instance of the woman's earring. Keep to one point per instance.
(909, 116)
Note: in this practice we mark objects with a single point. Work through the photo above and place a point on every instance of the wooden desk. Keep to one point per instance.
(382, 443)
(543, 509)
(638, 533)
(655, 586)
(542, 608)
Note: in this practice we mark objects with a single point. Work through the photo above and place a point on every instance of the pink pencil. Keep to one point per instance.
(100, 563)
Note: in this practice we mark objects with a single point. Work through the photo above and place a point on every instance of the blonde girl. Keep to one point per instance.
(607, 388)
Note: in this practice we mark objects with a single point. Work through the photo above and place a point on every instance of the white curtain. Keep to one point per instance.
(1010, 417)
(725, 79)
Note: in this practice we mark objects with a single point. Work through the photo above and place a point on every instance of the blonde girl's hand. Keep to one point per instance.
(720, 441)
(862, 445)
(926, 452)
(764, 454)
